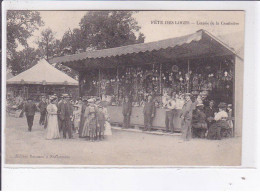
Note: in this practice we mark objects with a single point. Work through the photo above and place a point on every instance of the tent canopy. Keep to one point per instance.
(42, 73)
(196, 45)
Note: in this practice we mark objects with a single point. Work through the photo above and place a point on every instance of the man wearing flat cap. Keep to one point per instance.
(43, 110)
(186, 115)
(30, 108)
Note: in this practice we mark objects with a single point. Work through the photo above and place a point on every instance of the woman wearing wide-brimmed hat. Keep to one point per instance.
(90, 109)
(220, 124)
(52, 120)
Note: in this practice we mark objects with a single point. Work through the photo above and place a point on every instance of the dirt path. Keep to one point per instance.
(123, 148)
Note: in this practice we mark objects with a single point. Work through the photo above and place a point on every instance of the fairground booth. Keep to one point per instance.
(198, 63)
(41, 79)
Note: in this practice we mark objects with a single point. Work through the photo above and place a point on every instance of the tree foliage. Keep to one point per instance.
(20, 27)
(72, 40)
(108, 29)
(97, 30)
(47, 43)
(24, 60)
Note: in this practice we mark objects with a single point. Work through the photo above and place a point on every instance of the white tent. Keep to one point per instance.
(42, 73)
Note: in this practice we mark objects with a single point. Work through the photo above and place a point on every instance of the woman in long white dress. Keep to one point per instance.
(108, 131)
(52, 119)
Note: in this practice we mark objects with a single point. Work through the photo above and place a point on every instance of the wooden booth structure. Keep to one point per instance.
(41, 79)
(196, 63)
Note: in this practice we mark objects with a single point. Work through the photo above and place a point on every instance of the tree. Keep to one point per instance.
(20, 26)
(24, 60)
(47, 43)
(72, 40)
(108, 29)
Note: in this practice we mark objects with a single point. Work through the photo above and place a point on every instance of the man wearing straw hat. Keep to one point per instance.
(186, 115)
(82, 118)
(66, 114)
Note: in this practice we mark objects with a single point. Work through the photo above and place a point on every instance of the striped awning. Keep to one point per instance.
(196, 44)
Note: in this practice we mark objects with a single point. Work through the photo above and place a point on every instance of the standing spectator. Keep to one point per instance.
(186, 116)
(30, 109)
(66, 113)
(52, 124)
(170, 106)
(43, 109)
(90, 108)
(58, 103)
(210, 112)
(149, 112)
(221, 123)
(199, 125)
(179, 102)
(108, 131)
(92, 124)
(82, 117)
(127, 110)
(230, 116)
(101, 119)
(76, 117)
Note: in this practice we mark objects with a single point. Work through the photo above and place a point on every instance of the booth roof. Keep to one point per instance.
(200, 43)
(42, 73)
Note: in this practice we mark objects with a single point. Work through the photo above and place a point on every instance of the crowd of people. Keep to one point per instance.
(199, 116)
(87, 117)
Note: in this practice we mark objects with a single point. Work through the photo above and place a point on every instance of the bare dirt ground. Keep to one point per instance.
(123, 148)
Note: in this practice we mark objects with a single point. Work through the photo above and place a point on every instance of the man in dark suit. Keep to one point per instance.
(30, 109)
(149, 112)
(82, 118)
(186, 115)
(66, 114)
(43, 110)
(127, 110)
(210, 112)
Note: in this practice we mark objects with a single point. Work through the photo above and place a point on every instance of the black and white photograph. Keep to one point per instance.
(124, 88)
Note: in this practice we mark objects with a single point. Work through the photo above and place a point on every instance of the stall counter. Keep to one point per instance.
(137, 117)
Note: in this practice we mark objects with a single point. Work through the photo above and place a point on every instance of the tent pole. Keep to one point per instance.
(117, 83)
(80, 84)
(188, 84)
(160, 79)
(24, 94)
(99, 83)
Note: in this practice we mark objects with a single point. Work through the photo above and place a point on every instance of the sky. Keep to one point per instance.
(168, 26)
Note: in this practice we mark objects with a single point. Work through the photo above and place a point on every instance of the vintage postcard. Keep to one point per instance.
(124, 88)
